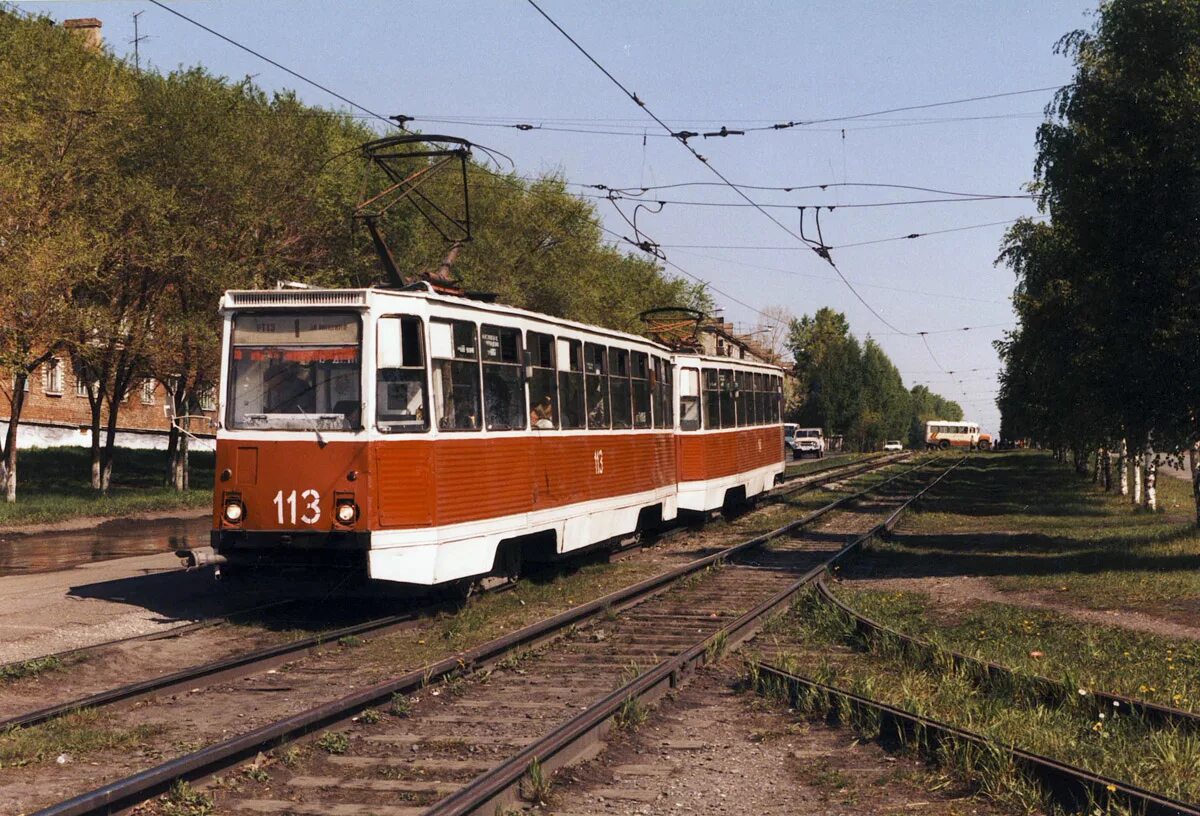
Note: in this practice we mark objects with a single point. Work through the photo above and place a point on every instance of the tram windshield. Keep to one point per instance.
(295, 372)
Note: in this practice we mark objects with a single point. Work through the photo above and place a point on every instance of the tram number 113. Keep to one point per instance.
(309, 501)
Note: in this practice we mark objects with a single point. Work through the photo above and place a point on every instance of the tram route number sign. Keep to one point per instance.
(309, 501)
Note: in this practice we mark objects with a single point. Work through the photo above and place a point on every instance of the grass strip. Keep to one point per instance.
(1025, 523)
(810, 640)
(1034, 641)
(54, 484)
(70, 737)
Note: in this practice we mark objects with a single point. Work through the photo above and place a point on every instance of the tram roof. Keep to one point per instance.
(363, 300)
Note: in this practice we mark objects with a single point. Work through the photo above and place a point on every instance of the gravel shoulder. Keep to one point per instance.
(715, 749)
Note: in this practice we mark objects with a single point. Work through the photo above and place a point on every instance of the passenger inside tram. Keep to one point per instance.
(542, 415)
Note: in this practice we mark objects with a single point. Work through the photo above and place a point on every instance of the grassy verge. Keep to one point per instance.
(1163, 760)
(1083, 655)
(54, 484)
(73, 735)
(1026, 523)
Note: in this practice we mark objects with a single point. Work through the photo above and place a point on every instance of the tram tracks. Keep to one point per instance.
(1084, 784)
(274, 655)
(1069, 785)
(582, 664)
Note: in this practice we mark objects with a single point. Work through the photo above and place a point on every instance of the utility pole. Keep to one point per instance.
(137, 57)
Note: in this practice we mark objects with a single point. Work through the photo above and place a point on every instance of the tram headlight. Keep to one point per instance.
(234, 511)
(346, 512)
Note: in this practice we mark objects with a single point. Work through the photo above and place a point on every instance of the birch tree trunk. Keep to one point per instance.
(1136, 461)
(1151, 482)
(1123, 469)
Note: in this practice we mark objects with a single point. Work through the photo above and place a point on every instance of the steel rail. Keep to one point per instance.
(1044, 688)
(215, 671)
(271, 656)
(126, 792)
(569, 740)
(1069, 784)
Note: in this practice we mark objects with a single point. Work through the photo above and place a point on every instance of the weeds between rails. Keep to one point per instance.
(146, 782)
(1111, 744)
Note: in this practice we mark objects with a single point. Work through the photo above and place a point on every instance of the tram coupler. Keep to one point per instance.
(201, 557)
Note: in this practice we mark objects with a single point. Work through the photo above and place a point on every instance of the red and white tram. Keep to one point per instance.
(432, 438)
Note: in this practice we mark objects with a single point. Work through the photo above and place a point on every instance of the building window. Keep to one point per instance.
(148, 392)
(208, 399)
(81, 386)
(52, 377)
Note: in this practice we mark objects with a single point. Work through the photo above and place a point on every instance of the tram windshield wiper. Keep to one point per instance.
(321, 443)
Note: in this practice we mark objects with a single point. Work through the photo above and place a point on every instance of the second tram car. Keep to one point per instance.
(430, 438)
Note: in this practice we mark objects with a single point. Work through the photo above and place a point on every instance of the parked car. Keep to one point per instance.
(808, 442)
(893, 445)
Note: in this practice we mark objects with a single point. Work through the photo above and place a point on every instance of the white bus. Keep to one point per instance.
(941, 433)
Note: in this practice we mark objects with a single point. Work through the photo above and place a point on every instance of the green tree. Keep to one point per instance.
(1116, 274)
(61, 138)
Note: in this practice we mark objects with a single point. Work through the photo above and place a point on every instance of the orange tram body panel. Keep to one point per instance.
(427, 438)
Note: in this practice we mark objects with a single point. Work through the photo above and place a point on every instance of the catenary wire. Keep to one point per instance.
(267, 59)
(819, 249)
(615, 235)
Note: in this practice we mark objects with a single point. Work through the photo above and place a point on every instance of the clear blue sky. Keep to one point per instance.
(700, 65)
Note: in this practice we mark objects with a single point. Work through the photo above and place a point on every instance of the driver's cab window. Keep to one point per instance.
(400, 405)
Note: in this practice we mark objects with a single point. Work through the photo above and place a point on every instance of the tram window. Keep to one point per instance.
(728, 417)
(503, 383)
(618, 382)
(570, 383)
(743, 399)
(640, 378)
(400, 380)
(668, 386)
(748, 393)
(756, 403)
(455, 375)
(595, 366)
(776, 398)
(689, 399)
(543, 381)
(659, 389)
(712, 398)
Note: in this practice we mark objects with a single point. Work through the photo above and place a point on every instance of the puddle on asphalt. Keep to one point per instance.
(21, 554)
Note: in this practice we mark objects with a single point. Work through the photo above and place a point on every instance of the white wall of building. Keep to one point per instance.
(31, 435)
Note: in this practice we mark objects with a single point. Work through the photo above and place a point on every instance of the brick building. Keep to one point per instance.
(56, 412)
